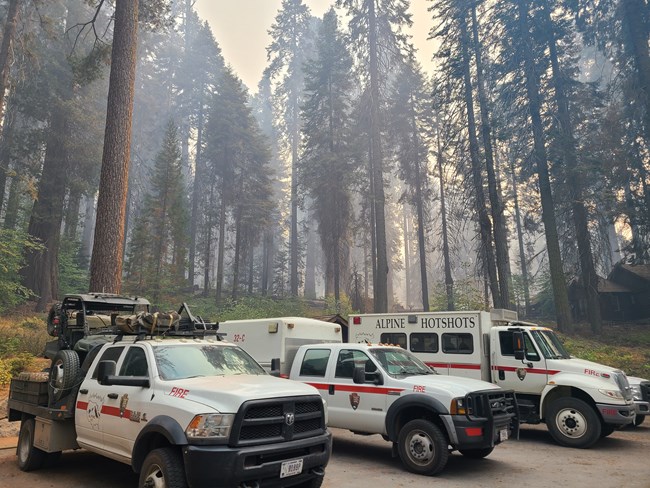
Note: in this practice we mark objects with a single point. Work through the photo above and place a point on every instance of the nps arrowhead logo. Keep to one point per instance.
(354, 400)
(521, 373)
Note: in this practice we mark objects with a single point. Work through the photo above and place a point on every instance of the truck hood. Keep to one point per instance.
(225, 394)
(455, 386)
(580, 366)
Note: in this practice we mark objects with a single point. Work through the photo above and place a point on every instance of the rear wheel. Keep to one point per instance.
(573, 423)
(163, 468)
(63, 374)
(29, 457)
(422, 447)
(476, 453)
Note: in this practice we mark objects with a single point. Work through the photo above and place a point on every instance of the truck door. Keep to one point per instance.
(90, 402)
(124, 413)
(527, 376)
(362, 407)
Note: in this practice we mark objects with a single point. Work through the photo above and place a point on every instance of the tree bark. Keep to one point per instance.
(558, 283)
(196, 195)
(449, 280)
(379, 200)
(108, 250)
(7, 38)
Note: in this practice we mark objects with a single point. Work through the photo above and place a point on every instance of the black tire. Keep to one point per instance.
(573, 423)
(29, 457)
(163, 468)
(422, 447)
(63, 374)
(639, 420)
(606, 430)
(476, 453)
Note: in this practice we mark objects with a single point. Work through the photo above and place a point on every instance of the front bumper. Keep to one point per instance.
(479, 434)
(224, 466)
(642, 408)
(617, 414)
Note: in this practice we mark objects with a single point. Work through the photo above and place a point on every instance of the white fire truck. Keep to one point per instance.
(580, 401)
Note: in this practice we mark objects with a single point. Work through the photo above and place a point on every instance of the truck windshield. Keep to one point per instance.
(399, 362)
(549, 344)
(192, 360)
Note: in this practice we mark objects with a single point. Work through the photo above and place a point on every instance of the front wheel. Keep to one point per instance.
(422, 447)
(639, 420)
(476, 453)
(573, 423)
(163, 468)
(29, 457)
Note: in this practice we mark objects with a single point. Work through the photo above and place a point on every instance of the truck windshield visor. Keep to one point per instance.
(550, 344)
(398, 362)
(191, 361)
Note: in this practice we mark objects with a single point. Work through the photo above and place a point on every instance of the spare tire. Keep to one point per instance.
(63, 374)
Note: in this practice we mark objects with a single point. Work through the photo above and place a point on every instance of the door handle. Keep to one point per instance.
(83, 391)
(502, 375)
(331, 389)
(112, 395)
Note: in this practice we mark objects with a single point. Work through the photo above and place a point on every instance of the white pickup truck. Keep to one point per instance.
(386, 390)
(184, 409)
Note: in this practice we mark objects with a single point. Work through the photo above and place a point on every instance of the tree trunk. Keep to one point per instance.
(8, 34)
(558, 283)
(523, 263)
(310, 264)
(108, 250)
(407, 259)
(449, 280)
(199, 171)
(580, 216)
(379, 200)
(485, 226)
(89, 228)
(41, 273)
(13, 204)
(496, 203)
(222, 244)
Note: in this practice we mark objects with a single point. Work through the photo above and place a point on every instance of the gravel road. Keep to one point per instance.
(534, 461)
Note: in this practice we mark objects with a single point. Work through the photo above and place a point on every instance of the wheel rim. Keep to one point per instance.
(420, 448)
(571, 423)
(23, 447)
(57, 375)
(155, 477)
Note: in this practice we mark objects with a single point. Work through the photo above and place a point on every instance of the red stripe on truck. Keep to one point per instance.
(357, 388)
(528, 370)
(454, 365)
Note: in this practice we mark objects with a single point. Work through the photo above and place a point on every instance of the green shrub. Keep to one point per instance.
(12, 247)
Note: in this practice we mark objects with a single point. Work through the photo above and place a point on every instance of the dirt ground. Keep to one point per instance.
(533, 461)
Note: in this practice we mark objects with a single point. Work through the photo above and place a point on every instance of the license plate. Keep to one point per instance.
(503, 435)
(291, 468)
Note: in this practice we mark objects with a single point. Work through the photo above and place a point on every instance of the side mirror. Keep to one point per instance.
(518, 345)
(104, 370)
(275, 367)
(359, 375)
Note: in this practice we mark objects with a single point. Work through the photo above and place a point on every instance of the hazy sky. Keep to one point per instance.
(241, 29)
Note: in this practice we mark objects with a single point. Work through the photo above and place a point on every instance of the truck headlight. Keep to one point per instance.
(459, 407)
(210, 426)
(636, 392)
(616, 394)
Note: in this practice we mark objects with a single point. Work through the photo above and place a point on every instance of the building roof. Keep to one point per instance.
(607, 286)
(641, 270)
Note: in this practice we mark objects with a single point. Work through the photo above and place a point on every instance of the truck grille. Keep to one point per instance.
(278, 420)
(492, 404)
(645, 391)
